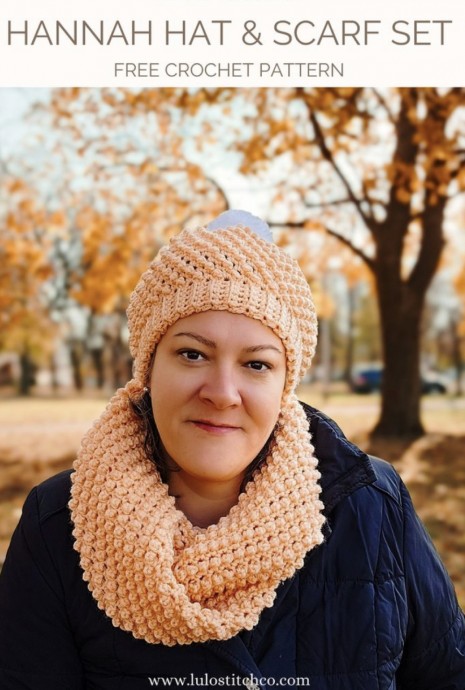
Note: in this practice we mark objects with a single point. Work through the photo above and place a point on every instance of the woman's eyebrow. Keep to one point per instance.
(258, 348)
(199, 338)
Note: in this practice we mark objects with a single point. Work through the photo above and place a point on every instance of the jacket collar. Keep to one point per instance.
(344, 467)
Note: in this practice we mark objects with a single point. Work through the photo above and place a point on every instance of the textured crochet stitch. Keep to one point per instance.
(147, 566)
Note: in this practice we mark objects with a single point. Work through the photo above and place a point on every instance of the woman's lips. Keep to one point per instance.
(213, 428)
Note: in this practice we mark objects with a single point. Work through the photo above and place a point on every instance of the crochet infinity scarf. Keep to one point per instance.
(151, 570)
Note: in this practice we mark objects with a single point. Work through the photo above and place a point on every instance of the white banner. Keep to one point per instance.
(232, 43)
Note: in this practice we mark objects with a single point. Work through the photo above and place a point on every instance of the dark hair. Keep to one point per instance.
(154, 447)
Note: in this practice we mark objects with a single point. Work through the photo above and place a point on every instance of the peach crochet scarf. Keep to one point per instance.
(162, 579)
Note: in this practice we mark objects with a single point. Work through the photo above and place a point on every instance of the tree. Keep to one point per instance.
(25, 267)
(124, 191)
(423, 164)
(395, 159)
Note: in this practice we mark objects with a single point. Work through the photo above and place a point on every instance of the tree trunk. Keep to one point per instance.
(53, 372)
(349, 353)
(118, 361)
(27, 373)
(401, 388)
(97, 360)
(75, 355)
(325, 352)
(457, 355)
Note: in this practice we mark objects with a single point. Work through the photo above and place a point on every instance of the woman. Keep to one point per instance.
(201, 545)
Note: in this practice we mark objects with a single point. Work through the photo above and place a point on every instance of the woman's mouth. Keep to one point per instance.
(214, 427)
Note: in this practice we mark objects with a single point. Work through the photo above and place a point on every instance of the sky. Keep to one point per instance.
(14, 103)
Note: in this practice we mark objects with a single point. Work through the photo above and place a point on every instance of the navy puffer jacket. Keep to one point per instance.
(372, 609)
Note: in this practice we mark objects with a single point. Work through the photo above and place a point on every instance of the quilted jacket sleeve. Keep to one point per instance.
(434, 656)
(37, 650)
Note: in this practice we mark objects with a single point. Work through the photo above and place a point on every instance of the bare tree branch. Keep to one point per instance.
(324, 204)
(220, 191)
(300, 225)
(431, 247)
(367, 199)
(328, 156)
(382, 101)
(368, 260)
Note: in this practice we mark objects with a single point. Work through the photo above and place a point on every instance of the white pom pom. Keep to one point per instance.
(234, 217)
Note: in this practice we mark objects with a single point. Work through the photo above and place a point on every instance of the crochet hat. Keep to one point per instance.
(152, 571)
(231, 265)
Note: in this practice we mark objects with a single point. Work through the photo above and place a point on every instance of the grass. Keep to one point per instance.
(357, 414)
(44, 410)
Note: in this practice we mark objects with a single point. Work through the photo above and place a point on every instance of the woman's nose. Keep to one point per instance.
(220, 388)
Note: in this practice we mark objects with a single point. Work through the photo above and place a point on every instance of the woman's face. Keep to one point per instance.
(216, 387)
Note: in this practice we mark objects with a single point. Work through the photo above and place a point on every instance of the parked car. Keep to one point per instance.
(369, 380)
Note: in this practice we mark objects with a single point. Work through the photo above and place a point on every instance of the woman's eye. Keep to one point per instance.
(258, 366)
(191, 355)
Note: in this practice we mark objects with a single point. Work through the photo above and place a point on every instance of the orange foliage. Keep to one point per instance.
(25, 267)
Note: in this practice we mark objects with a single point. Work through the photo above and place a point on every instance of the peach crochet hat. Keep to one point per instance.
(152, 571)
(232, 264)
